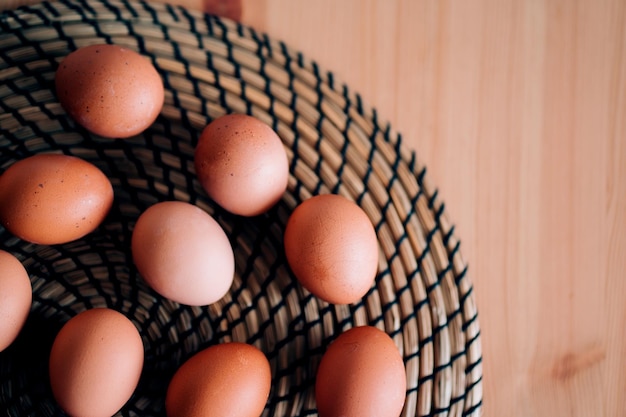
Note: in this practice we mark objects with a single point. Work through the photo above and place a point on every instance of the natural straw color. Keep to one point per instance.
(335, 143)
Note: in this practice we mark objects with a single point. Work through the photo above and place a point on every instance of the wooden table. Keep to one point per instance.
(518, 109)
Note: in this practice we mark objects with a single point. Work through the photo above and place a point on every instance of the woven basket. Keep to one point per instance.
(422, 295)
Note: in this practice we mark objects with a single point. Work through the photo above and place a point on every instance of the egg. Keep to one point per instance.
(225, 380)
(331, 247)
(16, 298)
(53, 198)
(242, 164)
(95, 363)
(361, 374)
(110, 90)
(183, 253)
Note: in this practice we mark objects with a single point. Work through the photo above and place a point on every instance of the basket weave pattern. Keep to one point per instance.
(336, 143)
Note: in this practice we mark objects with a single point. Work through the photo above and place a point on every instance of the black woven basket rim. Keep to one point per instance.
(336, 143)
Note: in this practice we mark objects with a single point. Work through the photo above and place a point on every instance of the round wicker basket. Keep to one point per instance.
(422, 296)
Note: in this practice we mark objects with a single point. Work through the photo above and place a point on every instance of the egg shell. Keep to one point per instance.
(331, 247)
(361, 374)
(110, 90)
(95, 363)
(53, 198)
(16, 298)
(183, 253)
(226, 380)
(242, 164)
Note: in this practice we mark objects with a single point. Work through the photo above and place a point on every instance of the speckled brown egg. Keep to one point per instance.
(331, 247)
(95, 363)
(16, 297)
(242, 164)
(53, 198)
(110, 90)
(226, 380)
(361, 374)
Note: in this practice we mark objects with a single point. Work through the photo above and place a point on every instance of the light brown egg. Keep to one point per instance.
(53, 198)
(16, 297)
(95, 363)
(242, 164)
(361, 374)
(183, 253)
(225, 380)
(110, 90)
(332, 249)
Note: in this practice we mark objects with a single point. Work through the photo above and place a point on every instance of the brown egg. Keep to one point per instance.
(361, 374)
(53, 198)
(183, 253)
(110, 90)
(332, 249)
(16, 297)
(242, 164)
(95, 363)
(225, 380)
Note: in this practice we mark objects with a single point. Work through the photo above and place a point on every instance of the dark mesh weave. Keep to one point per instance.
(210, 66)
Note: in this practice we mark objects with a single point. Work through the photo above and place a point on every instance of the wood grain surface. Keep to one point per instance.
(518, 109)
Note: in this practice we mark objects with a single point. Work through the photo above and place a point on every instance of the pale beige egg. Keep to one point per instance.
(183, 253)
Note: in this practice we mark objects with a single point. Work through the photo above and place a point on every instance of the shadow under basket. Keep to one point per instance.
(422, 296)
